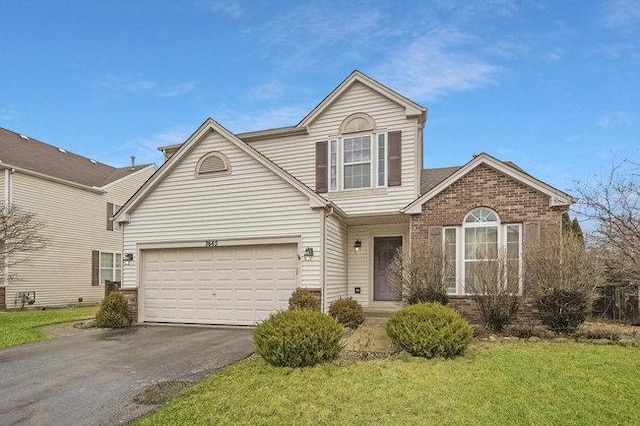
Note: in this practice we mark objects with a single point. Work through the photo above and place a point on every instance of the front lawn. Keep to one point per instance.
(20, 327)
(495, 383)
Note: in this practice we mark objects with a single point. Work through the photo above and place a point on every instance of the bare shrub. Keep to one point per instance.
(495, 285)
(418, 276)
(562, 276)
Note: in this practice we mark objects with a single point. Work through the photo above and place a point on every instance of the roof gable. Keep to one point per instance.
(31, 155)
(434, 181)
(187, 147)
(412, 109)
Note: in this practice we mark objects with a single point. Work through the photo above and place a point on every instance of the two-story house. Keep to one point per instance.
(232, 224)
(74, 198)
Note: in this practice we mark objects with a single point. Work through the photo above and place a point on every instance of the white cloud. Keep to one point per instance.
(176, 90)
(6, 114)
(230, 8)
(145, 148)
(128, 85)
(614, 119)
(622, 15)
(117, 84)
(435, 65)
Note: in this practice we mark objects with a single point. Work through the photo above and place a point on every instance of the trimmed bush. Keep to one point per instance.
(298, 338)
(113, 312)
(301, 298)
(563, 310)
(347, 311)
(424, 295)
(430, 330)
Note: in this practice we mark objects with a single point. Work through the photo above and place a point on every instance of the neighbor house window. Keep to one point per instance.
(357, 162)
(110, 267)
(480, 240)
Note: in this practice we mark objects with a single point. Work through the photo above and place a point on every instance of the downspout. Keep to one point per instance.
(323, 233)
(7, 209)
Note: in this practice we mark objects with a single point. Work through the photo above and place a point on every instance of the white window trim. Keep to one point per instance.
(113, 268)
(373, 183)
(334, 186)
(385, 160)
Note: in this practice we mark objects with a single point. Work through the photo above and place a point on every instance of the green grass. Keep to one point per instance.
(19, 327)
(495, 383)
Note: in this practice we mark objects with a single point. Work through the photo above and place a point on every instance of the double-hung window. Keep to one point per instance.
(358, 162)
(110, 267)
(480, 247)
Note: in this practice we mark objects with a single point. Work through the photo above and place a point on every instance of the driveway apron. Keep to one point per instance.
(110, 377)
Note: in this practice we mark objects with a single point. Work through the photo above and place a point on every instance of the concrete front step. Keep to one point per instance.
(379, 313)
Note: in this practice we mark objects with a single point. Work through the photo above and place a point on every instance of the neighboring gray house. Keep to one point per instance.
(75, 197)
(231, 224)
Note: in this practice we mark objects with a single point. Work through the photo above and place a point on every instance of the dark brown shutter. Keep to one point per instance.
(395, 158)
(109, 216)
(321, 166)
(95, 267)
(531, 233)
(435, 236)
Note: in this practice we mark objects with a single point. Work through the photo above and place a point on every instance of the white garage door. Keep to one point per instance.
(237, 285)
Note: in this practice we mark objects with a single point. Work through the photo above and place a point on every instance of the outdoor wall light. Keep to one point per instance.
(128, 257)
(308, 253)
(357, 245)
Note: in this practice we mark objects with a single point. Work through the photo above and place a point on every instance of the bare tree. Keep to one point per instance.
(20, 234)
(612, 202)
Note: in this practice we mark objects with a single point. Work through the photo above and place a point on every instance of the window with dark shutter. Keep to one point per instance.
(321, 167)
(109, 216)
(395, 158)
(95, 267)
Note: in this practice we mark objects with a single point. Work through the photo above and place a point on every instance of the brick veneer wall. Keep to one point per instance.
(484, 186)
(131, 294)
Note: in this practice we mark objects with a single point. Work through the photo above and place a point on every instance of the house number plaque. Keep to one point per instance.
(211, 243)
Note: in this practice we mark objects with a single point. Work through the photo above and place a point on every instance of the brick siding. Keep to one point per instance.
(514, 202)
(131, 294)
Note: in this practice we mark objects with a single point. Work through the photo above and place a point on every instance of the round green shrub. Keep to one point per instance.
(298, 338)
(429, 330)
(113, 312)
(424, 295)
(563, 310)
(347, 311)
(302, 298)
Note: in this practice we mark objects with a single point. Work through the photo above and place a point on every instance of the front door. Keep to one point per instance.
(384, 249)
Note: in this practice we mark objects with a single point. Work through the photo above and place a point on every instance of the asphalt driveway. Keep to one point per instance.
(110, 377)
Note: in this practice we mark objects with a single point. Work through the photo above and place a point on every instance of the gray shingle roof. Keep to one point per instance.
(430, 178)
(39, 157)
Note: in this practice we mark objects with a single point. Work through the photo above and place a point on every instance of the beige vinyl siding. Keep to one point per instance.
(360, 263)
(336, 260)
(121, 190)
(247, 203)
(297, 154)
(2, 188)
(75, 224)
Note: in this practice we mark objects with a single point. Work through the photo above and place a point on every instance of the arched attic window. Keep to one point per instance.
(358, 122)
(212, 163)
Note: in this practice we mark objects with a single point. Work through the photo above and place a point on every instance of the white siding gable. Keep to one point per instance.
(248, 202)
(296, 154)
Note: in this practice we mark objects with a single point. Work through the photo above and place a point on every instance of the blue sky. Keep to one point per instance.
(551, 85)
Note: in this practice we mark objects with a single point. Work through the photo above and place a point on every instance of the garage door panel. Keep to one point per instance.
(238, 285)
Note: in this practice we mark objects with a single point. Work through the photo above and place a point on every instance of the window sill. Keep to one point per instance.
(357, 193)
